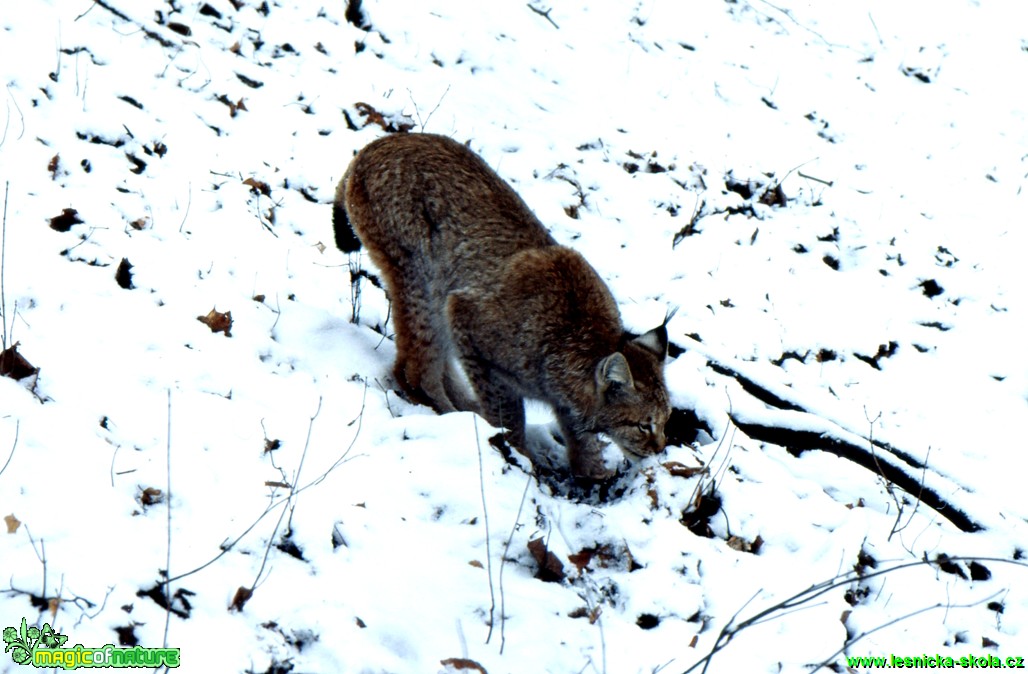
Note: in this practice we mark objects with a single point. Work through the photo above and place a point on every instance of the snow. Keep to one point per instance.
(899, 143)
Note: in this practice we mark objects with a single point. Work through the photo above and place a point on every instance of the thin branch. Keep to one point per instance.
(417, 109)
(503, 559)
(303, 456)
(227, 545)
(3, 266)
(544, 14)
(777, 610)
(849, 642)
(189, 202)
(14, 445)
(485, 519)
(167, 567)
(828, 183)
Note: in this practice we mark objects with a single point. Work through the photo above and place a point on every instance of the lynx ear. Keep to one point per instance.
(654, 341)
(613, 370)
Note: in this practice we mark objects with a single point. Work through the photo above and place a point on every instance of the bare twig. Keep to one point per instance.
(417, 109)
(485, 520)
(354, 265)
(227, 544)
(788, 605)
(545, 14)
(303, 456)
(14, 445)
(875, 26)
(189, 202)
(828, 183)
(3, 253)
(503, 559)
(167, 567)
(849, 642)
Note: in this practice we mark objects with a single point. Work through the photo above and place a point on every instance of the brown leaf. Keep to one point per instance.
(375, 117)
(123, 276)
(605, 557)
(54, 166)
(12, 523)
(151, 496)
(678, 469)
(360, 623)
(258, 186)
(64, 221)
(14, 365)
(463, 665)
(581, 559)
(242, 596)
(742, 545)
(217, 321)
(477, 564)
(550, 568)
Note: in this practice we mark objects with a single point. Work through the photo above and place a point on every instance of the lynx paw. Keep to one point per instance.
(590, 460)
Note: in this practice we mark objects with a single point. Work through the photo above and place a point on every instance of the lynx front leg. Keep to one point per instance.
(585, 452)
(497, 402)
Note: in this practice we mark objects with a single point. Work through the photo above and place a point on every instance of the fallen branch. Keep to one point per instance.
(802, 598)
(784, 421)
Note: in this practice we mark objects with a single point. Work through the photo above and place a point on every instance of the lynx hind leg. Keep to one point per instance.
(421, 352)
(456, 386)
(498, 403)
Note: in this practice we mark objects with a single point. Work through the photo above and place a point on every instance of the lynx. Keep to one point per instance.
(474, 277)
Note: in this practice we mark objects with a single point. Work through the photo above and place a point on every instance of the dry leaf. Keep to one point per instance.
(64, 221)
(463, 665)
(375, 117)
(258, 186)
(53, 604)
(678, 469)
(360, 623)
(242, 596)
(605, 557)
(475, 563)
(14, 365)
(151, 496)
(123, 276)
(742, 545)
(12, 523)
(550, 568)
(217, 321)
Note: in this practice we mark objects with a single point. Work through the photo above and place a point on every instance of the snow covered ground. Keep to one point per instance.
(832, 193)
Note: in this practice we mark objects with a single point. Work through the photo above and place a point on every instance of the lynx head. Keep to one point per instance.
(635, 405)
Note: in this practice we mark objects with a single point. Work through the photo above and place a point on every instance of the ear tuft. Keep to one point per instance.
(613, 371)
(654, 341)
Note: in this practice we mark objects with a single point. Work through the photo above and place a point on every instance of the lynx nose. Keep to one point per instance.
(657, 442)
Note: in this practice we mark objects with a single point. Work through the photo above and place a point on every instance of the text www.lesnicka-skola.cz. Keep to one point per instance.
(937, 662)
